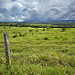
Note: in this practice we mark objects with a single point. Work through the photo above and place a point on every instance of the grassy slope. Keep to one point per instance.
(49, 52)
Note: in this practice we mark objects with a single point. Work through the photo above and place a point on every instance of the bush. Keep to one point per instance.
(30, 30)
(20, 34)
(55, 37)
(63, 29)
(43, 29)
(14, 36)
(46, 38)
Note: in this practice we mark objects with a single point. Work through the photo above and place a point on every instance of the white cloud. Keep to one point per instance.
(43, 10)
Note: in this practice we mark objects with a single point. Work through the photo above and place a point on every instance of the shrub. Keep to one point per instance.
(46, 38)
(43, 29)
(14, 36)
(63, 29)
(55, 37)
(30, 30)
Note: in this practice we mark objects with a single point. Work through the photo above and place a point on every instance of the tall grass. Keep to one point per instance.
(48, 52)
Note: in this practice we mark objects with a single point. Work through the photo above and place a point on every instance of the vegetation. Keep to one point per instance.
(38, 51)
(63, 29)
(41, 25)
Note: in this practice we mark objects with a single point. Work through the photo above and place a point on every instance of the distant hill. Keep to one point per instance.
(49, 21)
(37, 21)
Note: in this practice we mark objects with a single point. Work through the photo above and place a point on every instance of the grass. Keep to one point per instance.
(35, 51)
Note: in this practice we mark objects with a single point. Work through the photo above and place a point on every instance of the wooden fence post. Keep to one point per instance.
(7, 49)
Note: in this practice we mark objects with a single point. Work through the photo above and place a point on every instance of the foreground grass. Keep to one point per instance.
(38, 51)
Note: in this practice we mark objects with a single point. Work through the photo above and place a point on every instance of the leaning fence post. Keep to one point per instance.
(7, 49)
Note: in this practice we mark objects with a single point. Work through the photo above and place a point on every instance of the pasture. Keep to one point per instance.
(39, 51)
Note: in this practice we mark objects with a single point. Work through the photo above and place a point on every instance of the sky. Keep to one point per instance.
(39, 10)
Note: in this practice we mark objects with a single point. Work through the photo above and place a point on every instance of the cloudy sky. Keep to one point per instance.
(41, 10)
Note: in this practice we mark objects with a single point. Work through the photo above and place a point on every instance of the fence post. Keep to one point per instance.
(7, 49)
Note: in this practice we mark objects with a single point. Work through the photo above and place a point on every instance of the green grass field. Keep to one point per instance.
(39, 51)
